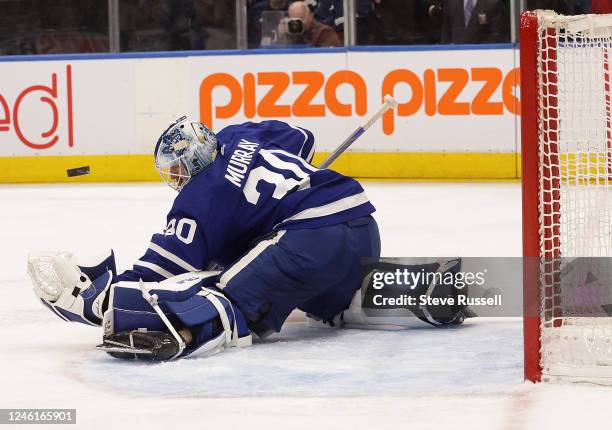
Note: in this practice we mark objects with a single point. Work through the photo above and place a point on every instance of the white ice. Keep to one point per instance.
(304, 377)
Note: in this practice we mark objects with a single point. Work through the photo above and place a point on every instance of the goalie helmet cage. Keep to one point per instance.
(567, 195)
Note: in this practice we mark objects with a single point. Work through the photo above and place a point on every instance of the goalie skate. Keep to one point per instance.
(141, 345)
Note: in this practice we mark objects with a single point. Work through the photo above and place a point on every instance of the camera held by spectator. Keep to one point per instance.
(295, 26)
(301, 28)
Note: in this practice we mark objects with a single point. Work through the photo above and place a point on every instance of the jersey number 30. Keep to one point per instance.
(282, 184)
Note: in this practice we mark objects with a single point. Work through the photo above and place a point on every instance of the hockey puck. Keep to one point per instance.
(78, 171)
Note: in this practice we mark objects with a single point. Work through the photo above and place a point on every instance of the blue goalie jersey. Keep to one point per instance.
(261, 181)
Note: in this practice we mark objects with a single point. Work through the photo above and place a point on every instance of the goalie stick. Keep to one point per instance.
(389, 102)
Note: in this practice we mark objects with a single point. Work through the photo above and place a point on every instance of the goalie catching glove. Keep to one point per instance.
(66, 288)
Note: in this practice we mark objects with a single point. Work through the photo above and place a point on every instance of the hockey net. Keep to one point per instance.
(567, 196)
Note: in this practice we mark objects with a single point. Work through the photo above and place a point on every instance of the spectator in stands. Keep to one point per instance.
(474, 21)
(331, 13)
(255, 11)
(301, 27)
(601, 6)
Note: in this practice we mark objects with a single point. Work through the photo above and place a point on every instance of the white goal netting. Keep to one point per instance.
(575, 195)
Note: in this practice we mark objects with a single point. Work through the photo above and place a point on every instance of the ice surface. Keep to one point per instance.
(304, 377)
(305, 361)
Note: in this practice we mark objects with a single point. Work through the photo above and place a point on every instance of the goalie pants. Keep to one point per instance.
(315, 270)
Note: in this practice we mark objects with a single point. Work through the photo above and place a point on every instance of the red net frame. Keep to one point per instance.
(540, 246)
(530, 195)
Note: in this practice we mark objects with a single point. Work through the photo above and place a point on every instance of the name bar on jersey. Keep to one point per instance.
(240, 161)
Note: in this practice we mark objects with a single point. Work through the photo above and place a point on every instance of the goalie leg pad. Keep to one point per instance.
(212, 319)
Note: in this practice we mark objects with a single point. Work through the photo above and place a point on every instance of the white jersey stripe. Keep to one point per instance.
(248, 258)
(331, 208)
(311, 154)
(170, 256)
(154, 267)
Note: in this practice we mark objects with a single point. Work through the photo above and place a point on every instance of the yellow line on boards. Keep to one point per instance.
(103, 168)
(425, 165)
(391, 166)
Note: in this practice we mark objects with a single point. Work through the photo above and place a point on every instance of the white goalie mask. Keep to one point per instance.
(185, 149)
